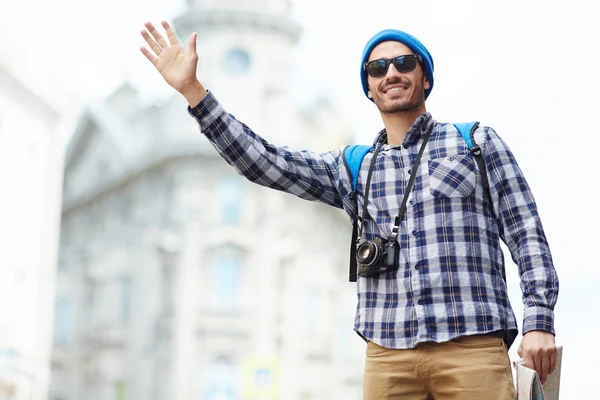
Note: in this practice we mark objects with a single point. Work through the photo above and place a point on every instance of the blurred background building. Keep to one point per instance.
(30, 177)
(57, 55)
(178, 279)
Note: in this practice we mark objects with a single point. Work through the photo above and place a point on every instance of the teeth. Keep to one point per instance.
(396, 89)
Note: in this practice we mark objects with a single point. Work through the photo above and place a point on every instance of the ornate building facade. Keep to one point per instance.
(177, 278)
(30, 177)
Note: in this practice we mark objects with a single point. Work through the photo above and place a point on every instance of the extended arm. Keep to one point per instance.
(305, 174)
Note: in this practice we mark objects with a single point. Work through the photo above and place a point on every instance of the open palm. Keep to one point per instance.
(176, 66)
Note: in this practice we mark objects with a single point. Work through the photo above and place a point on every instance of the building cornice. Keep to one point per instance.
(198, 20)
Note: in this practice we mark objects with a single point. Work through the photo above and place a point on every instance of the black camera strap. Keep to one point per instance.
(367, 187)
(411, 181)
(357, 234)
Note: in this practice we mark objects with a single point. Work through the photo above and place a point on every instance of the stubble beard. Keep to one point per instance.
(409, 104)
(415, 101)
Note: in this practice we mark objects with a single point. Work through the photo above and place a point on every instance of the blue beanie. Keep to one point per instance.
(404, 38)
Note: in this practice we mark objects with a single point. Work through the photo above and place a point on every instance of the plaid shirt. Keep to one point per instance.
(450, 277)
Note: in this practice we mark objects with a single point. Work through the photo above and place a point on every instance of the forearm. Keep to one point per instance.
(529, 248)
(539, 281)
(307, 175)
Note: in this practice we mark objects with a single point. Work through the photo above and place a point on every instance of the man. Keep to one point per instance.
(438, 322)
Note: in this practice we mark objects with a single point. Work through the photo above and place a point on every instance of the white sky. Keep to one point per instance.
(526, 68)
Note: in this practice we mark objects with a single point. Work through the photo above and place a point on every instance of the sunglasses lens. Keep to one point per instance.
(377, 68)
(405, 63)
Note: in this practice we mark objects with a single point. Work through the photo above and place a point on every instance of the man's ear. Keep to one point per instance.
(426, 84)
(369, 94)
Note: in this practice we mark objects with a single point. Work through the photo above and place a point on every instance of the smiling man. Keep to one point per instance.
(432, 297)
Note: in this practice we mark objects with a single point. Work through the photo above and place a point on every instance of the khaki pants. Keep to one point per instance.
(468, 368)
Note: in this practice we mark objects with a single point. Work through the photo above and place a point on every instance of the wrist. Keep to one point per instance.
(193, 93)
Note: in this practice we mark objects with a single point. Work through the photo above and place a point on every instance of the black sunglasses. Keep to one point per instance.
(405, 63)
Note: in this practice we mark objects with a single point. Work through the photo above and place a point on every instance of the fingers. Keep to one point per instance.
(530, 362)
(538, 349)
(548, 364)
(170, 34)
(152, 43)
(192, 43)
(553, 361)
(151, 57)
(543, 363)
(156, 35)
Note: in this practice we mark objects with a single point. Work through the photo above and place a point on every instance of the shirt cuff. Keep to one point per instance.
(538, 319)
(207, 111)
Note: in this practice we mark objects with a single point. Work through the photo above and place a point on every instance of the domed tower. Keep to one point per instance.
(245, 50)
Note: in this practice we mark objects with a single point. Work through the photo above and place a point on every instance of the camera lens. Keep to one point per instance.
(367, 253)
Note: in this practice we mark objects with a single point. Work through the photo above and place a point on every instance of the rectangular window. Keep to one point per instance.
(7, 358)
(64, 321)
(226, 277)
(230, 199)
(126, 287)
(110, 302)
(227, 280)
(310, 310)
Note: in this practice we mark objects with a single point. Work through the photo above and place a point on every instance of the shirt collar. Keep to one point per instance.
(419, 128)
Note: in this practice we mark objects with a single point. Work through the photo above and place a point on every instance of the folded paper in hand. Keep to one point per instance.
(529, 386)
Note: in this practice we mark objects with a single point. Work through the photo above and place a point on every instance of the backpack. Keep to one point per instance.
(354, 155)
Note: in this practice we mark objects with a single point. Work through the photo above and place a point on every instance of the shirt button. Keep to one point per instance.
(408, 171)
(450, 158)
(415, 233)
(411, 202)
(420, 302)
(417, 267)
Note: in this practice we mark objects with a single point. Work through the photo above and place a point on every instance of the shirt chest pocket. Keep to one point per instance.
(452, 176)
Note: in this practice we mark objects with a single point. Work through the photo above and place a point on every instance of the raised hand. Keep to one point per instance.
(177, 67)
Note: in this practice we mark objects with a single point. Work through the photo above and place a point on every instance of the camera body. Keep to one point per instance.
(377, 256)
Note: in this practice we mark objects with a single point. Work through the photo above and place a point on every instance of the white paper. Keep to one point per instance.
(528, 382)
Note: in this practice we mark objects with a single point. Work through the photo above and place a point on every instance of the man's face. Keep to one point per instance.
(395, 91)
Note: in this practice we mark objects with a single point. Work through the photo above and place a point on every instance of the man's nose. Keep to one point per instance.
(392, 71)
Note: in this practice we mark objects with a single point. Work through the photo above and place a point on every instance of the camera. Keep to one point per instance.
(377, 256)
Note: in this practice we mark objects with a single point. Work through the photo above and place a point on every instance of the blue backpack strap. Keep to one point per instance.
(353, 157)
(466, 130)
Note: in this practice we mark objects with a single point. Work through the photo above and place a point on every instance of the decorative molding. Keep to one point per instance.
(27, 98)
(208, 20)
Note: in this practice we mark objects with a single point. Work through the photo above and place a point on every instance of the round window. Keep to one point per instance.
(237, 61)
